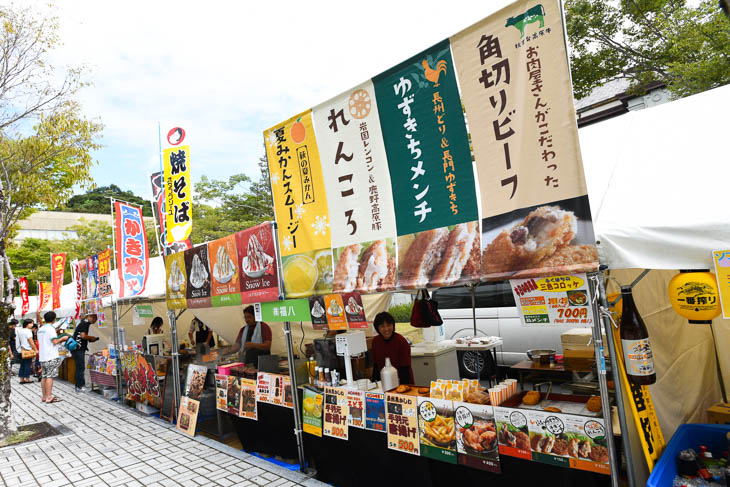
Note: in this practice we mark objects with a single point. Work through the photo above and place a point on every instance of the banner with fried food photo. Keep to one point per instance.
(515, 85)
(437, 429)
(430, 164)
(359, 195)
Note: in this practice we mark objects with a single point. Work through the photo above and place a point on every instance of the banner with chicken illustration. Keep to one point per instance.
(515, 85)
(359, 195)
(428, 155)
(224, 282)
(259, 273)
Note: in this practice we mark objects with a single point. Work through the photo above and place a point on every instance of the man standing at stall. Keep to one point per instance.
(254, 339)
(81, 335)
(49, 344)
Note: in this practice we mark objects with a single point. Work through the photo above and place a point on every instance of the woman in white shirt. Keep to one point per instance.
(24, 339)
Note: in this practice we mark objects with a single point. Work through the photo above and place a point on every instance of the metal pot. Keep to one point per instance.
(543, 356)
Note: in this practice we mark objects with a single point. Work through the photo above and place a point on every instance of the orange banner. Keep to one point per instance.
(58, 264)
(44, 295)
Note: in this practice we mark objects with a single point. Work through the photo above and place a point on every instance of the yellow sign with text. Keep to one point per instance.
(721, 258)
(558, 284)
(300, 202)
(534, 310)
(178, 193)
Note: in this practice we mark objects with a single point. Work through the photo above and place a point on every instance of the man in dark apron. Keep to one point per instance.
(254, 339)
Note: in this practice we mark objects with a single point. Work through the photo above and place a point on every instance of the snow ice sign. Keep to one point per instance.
(132, 253)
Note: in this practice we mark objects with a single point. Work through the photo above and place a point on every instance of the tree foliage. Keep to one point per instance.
(670, 41)
(97, 201)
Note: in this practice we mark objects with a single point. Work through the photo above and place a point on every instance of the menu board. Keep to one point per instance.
(356, 408)
(233, 397)
(402, 420)
(221, 392)
(476, 436)
(375, 411)
(354, 311)
(555, 300)
(187, 415)
(277, 389)
(263, 387)
(248, 399)
(335, 312)
(513, 434)
(312, 412)
(287, 392)
(319, 315)
(437, 429)
(335, 412)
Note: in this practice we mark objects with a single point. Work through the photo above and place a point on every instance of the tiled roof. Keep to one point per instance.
(603, 93)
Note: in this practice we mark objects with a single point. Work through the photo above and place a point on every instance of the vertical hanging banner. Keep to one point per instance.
(76, 279)
(515, 84)
(259, 279)
(198, 277)
(300, 205)
(92, 264)
(83, 280)
(58, 264)
(158, 208)
(178, 193)
(44, 295)
(357, 182)
(132, 251)
(176, 282)
(428, 154)
(25, 303)
(354, 311)
(721, 258)
(104, 271)
(225, 286)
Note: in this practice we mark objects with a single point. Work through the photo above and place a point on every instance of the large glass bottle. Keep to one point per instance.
(638, 358)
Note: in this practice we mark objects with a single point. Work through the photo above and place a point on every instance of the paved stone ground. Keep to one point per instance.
(105, 444)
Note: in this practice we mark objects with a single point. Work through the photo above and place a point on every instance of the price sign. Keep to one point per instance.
(375, 411)
(335, 412)
(356, 408)
(401, 414)
(263, 387)
(437, 429)
(476, 436)
(555, 300)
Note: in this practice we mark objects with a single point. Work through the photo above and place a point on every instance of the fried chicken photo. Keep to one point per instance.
(522, 441)
(546, 444)
(573, 448)
(599, 454)
(346, 269)
(560, 447)
(422, 257)
(457, 254)
(536, 443)
(584, 449)
(543, 231)
(506, 437)
(571, 255)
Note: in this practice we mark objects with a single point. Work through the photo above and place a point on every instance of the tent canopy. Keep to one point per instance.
(656, 186)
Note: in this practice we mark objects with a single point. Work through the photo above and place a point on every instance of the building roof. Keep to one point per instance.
(603, 93)
(59, 220)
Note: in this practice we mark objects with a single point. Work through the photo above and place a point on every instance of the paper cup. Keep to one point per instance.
(512, 386)
(502, 393)
(494, 396)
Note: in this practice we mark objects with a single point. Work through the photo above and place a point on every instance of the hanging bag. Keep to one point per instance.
(425, 311)
(27, 353)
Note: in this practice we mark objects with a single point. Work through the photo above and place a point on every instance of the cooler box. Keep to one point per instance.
(687, 436)
(225, 369)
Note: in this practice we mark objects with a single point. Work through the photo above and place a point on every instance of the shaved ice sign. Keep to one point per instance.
(257, 261)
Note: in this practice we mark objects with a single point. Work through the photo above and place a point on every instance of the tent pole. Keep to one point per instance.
(617, 381)
(175, 358)
(602, 383)
(717, 361)
(295, 396)
(117, 351)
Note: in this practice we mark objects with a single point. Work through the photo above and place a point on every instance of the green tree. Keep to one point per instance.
(687, 47)
(45, 145)
(225, 207)
(97, 201)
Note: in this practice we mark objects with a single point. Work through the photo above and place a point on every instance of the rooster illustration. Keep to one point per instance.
(433, 74)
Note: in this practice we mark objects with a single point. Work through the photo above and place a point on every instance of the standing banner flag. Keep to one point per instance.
(76, 279)
(132, 251)
(256, 254)
(428, 154)
(104, 271)
(93, 276)
(515, 85)
(83, 279)
(25, 306)
(198, 277)
(44, 295)
(58, 264)
(225, 285)
(357, 182)
(300, 205)
(158, 208)
(721, 258)
(178, 193)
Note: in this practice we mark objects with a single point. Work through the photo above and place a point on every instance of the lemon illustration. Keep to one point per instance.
(323, 260)
(300, 275)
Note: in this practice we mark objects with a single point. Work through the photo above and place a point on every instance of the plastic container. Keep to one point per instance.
(687, 436)
(389, 376)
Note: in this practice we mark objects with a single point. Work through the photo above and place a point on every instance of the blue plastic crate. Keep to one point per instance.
(687, 436)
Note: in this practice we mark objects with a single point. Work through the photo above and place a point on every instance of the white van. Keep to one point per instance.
(496, 315)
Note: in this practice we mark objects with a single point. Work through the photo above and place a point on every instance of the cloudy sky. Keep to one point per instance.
(227, 70)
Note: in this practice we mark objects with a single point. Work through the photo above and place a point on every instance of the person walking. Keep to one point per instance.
(13, 341)
(25, 344)
(81, 335)
(49, 345)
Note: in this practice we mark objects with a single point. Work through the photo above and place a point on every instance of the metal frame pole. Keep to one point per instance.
(117, 350)
(175, 357)
(618, 387)
(602, 383)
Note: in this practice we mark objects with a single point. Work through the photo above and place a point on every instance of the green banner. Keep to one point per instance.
(144, 311)
(287, 310)
(226, 300)
(426, 142)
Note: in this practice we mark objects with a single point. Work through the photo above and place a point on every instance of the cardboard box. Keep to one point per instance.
(579, 360)
(580, 339)
(719, 413)
(146, 408)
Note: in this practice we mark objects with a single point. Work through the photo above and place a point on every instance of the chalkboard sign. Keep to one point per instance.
(167, 410)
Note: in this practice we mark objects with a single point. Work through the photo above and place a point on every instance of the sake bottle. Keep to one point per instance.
(638, 359)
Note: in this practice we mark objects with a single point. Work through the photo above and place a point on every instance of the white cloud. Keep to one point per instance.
(231, 68)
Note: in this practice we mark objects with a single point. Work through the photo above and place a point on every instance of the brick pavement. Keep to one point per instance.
(112, 445)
